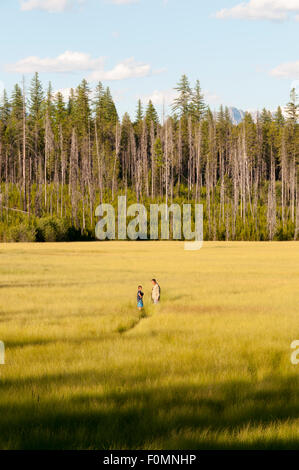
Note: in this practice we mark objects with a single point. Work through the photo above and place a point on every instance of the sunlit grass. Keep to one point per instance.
(208, 368)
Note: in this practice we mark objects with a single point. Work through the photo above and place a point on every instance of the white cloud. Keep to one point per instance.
(52, 6)
(274, 10)
(129, 68)
(167, 97)
(287, 70)
(211, 98)
(122, 2)
(80, 62)
(56, 6)
(67, 62)
(160, 97)
(66, 92)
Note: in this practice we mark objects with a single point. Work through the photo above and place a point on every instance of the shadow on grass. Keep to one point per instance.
(177, 417)
(31, 342)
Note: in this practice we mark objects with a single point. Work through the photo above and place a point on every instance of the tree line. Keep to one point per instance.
(60, 158)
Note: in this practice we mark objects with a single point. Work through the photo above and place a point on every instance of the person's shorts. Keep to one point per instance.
(140, 304)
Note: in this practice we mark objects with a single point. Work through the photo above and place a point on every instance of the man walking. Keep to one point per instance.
(155, 292)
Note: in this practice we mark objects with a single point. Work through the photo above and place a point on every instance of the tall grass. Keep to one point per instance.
(208, 368)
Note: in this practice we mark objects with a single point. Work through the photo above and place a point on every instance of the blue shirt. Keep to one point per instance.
(140, 295)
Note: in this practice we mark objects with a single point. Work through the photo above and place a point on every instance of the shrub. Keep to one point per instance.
(51, 229)
(20, 233)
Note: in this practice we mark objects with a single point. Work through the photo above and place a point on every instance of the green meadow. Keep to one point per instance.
(209, 368)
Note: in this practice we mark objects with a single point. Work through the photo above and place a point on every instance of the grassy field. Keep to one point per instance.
(208, 368)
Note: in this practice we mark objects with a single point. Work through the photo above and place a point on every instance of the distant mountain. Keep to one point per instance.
(236, 115)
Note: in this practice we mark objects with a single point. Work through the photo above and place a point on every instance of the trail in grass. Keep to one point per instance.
(125, 328)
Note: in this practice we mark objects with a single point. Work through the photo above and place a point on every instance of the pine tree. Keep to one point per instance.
(198, 106)
(111, 112)
(60, 109)
(138, 124)
(17, 103)
(5, 108)
(99, 92)
(151, 115)
(82, 107)
(71, 103)
(139, 112)
(50, 106)
(36, 123)
(182, 105)
(36, 99)
(279, 118)
(292, 108)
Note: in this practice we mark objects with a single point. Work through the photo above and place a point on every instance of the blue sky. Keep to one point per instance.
(245, 55)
